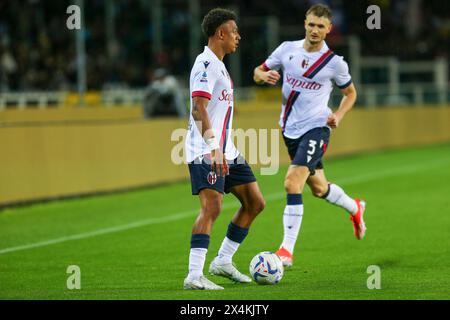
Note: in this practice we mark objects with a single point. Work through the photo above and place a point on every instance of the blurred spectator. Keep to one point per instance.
(8, 68)
(163, 96)
(37, 52)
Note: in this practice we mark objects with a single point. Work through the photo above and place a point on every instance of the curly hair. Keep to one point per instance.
(214, 18)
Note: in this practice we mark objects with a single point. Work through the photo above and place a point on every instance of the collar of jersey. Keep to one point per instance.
(322, 50)
(211, 54)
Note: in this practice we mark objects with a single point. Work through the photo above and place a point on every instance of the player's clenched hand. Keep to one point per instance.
(333, 120)
(271, 77)
(219, 163)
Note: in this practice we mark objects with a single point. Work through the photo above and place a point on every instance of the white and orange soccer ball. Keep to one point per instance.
(266, 268)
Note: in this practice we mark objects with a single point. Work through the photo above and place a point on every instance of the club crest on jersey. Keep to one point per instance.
(305, 63)
(206, 64)
(212, 177)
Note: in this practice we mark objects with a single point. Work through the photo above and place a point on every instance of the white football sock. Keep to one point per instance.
(292, 219)
(338, 197)
(197, 258)
(227, 250)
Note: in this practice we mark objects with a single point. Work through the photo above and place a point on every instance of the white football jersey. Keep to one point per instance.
(306, 85)
(210, 79)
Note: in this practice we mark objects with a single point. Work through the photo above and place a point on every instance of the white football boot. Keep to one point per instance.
(200, 283)
(228, 271)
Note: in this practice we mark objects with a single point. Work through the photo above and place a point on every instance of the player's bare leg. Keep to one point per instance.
(252, 203)
(211, 203)
(318, 183)
(295, 179)
(334, 194)
(294, 183)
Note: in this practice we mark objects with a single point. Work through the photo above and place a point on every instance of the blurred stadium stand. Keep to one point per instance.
(63, 136)
(406, 62)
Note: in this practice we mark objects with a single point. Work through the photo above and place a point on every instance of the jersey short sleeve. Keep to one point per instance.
(274, 60)
(341, 76)
(203, 80)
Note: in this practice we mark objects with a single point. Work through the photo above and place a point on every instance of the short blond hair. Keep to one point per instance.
(320, 10)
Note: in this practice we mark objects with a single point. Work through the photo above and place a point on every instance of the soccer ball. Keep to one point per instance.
(266, 268)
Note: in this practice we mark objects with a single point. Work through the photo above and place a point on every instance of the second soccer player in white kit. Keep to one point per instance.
(309, 67)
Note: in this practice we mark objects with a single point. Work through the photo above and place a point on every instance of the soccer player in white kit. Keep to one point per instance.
(215, 165)
(309, 67)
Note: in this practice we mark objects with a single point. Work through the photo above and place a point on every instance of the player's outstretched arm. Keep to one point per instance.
(347, 102)
(200, 115)
(261, 76)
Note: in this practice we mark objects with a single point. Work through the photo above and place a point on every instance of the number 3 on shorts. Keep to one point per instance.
(312, 145)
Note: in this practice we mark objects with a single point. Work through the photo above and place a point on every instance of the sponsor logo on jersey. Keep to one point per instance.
(225, 96)
(206, 64)
(212, 177)
(297, 83)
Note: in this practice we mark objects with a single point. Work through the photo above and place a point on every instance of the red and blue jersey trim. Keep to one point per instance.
(203, 94)
(226, 124)
(290, 102)
(319, 64)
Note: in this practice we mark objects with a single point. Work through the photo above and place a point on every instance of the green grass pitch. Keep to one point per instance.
(135, 245)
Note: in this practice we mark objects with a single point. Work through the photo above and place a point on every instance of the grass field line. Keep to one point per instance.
(229, 205)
